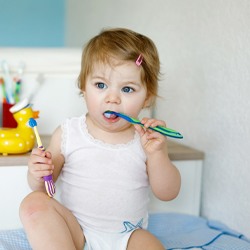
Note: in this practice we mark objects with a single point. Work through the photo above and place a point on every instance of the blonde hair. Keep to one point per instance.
(123, 45)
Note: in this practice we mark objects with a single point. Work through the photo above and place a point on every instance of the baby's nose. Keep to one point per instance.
(113, 97)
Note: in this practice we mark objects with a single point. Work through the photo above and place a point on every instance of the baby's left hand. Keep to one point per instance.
(151, 140)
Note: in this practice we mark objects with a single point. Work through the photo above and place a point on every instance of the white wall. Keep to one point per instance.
(204, 50)
(208, 96)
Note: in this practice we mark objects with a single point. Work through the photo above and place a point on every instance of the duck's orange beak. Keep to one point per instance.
(35, 114)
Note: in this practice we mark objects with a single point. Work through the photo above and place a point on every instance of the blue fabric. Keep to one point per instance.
(182, 231)
(14, 240)
(227, 242)
(176, 231)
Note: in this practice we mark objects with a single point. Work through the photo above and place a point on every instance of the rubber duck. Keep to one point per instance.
(21, 139)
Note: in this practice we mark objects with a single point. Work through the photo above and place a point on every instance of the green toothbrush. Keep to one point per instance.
(161, 129)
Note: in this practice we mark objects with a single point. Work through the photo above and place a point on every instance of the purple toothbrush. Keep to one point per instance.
(48, 181)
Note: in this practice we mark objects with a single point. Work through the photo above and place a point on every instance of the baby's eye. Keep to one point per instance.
(127, 89)
(101, 85)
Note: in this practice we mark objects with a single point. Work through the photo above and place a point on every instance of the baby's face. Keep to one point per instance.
(117, 88)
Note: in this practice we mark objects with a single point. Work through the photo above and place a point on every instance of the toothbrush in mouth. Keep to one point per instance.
(160, 129)
(49, 184)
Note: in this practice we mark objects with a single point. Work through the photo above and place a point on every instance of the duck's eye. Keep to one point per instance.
(127, 89)
(101, 85)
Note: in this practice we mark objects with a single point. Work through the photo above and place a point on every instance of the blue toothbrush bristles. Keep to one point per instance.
(32, 122)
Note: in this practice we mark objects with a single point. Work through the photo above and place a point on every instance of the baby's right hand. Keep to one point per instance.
(40, 164)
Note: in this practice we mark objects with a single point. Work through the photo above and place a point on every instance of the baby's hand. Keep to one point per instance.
(151, 140)
(40, 164)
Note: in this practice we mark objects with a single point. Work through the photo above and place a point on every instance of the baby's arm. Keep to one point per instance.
(164, 177)
(44, 163)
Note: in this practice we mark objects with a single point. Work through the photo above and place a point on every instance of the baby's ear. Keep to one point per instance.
(82, 93)
(148, 101)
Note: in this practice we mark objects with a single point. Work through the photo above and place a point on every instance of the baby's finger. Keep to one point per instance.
(155, 135)
(139, 129)
(158, 123)
(44, 167)
(40, 159)
(37, 151)
(41, 170)
(153, 123)
(48, 155)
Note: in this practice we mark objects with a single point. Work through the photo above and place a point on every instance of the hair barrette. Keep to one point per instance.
(139, 60)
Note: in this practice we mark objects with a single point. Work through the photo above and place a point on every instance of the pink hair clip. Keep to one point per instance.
(139, 60)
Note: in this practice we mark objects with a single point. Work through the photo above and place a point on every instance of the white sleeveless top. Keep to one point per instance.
(104, 185)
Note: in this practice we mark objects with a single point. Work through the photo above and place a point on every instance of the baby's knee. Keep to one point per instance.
(33, 203)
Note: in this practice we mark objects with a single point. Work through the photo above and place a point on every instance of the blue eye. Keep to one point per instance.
(101, 85)
(127, 89)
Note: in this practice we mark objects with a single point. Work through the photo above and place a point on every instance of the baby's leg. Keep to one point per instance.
(49, 225)
(142, 239)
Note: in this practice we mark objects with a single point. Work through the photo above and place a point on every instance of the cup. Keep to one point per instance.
(8, 120)
(1, 116)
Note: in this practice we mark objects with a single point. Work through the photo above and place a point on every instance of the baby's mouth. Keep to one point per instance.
(110, 114)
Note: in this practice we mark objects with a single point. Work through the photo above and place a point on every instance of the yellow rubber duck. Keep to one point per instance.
(21, 139)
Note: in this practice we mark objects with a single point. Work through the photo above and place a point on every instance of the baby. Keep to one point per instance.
(106, 165)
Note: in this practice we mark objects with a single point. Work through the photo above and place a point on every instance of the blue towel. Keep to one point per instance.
(175, 231)
(182, 231)
(14, 240)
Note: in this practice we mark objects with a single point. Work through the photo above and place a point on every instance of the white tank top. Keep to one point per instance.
(104, 185)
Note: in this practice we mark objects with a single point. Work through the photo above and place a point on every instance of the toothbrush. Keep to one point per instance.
(40, 81)
(18, 81)
(161, 129)
(49, 184)
(17, 90)
(3, 90)
(8, 83)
